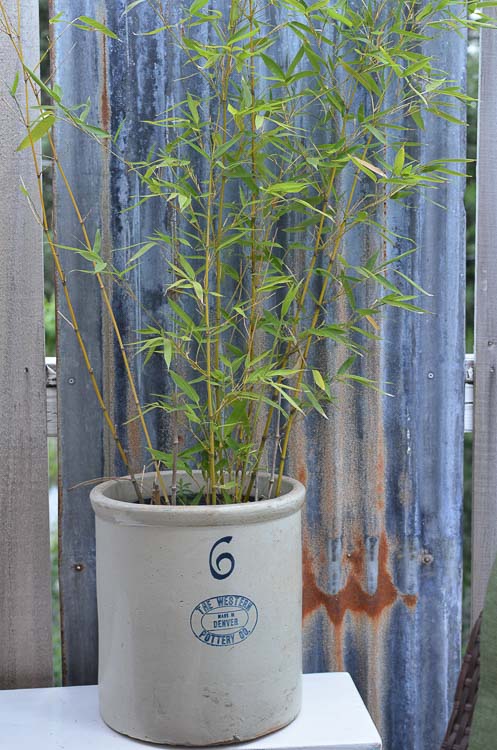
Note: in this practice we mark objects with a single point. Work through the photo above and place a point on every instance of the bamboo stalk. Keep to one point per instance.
(208, 345)
(277, 447)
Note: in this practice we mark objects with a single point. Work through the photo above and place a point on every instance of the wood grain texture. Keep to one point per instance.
(484, 547)
(25, 600)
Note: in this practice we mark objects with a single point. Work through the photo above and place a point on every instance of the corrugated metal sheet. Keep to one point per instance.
(382, 588)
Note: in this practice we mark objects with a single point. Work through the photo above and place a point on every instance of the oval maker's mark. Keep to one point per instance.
(224, 620)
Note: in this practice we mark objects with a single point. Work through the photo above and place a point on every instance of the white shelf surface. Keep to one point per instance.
(333, 717)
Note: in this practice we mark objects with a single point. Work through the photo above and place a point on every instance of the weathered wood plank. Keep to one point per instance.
(484, 547)
(25, 601)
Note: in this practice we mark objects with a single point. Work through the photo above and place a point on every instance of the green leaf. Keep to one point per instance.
(167, 351)
(184, 201)
(284, 393)
(188, 269)
(367, 167)
(445, 116)
(185, 387)
(91, 129)
(412, 283)
(181, 313)
(91, 23)
(318, 379)
(199, 290)
(415, 67)
(280, 188)
(365, 79)
(399, 161)
(338, 16)
(37, 130)
(273, 67)
(314, 402)
(15, 84)
(54, 93)
(118, 131)
(144, 249)
(346, 365)
(133, 5)
(197, 5)
(418, 119)
(289, 297)
(193, 107)
(97, 245)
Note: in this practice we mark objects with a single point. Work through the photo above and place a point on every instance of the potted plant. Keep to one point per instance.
(198, 560)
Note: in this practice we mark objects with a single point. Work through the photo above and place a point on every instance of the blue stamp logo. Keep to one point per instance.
(224, 620)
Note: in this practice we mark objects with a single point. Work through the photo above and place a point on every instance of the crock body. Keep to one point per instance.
(199, 613)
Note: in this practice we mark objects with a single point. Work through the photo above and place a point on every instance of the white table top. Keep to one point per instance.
(333, 717)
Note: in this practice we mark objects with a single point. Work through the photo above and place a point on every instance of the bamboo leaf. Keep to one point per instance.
(196, 6)
(185, 387)
(91, 23)
(318, 379)
(399, 161)
(346, 365)
(15, 84)
(366, 166)
(144, 249)
(37, 130)
(280, 188)
(273, 67)
(167, 351)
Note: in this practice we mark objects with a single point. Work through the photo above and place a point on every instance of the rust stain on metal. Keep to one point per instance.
(380, 477)
(299, 451)
(353, 597)
(135, 448)
(302, 474)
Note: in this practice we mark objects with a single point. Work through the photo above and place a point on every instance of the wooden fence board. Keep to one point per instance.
(484, 546)
(25, 600)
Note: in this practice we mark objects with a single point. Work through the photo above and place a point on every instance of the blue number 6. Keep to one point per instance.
(215, 569)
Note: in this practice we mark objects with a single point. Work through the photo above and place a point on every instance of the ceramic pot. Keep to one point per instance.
(199, 612)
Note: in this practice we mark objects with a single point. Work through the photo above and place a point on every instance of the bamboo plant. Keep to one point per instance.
(255, 242)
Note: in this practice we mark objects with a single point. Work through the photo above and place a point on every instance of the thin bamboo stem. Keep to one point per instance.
(208, 346)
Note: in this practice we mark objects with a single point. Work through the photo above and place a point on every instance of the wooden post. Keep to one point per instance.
(485, 409)
(25, 602)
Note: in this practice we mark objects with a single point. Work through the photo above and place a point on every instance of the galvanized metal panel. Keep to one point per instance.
(25, 605)
(383, 523)
(484, 547)
(80, 429)
(382, 590)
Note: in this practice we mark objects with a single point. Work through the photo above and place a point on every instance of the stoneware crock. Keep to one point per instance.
(199, 612)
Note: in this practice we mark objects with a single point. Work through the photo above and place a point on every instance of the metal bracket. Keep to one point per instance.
(469, 372)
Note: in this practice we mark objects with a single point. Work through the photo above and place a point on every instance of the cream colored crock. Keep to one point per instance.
(199, 612)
